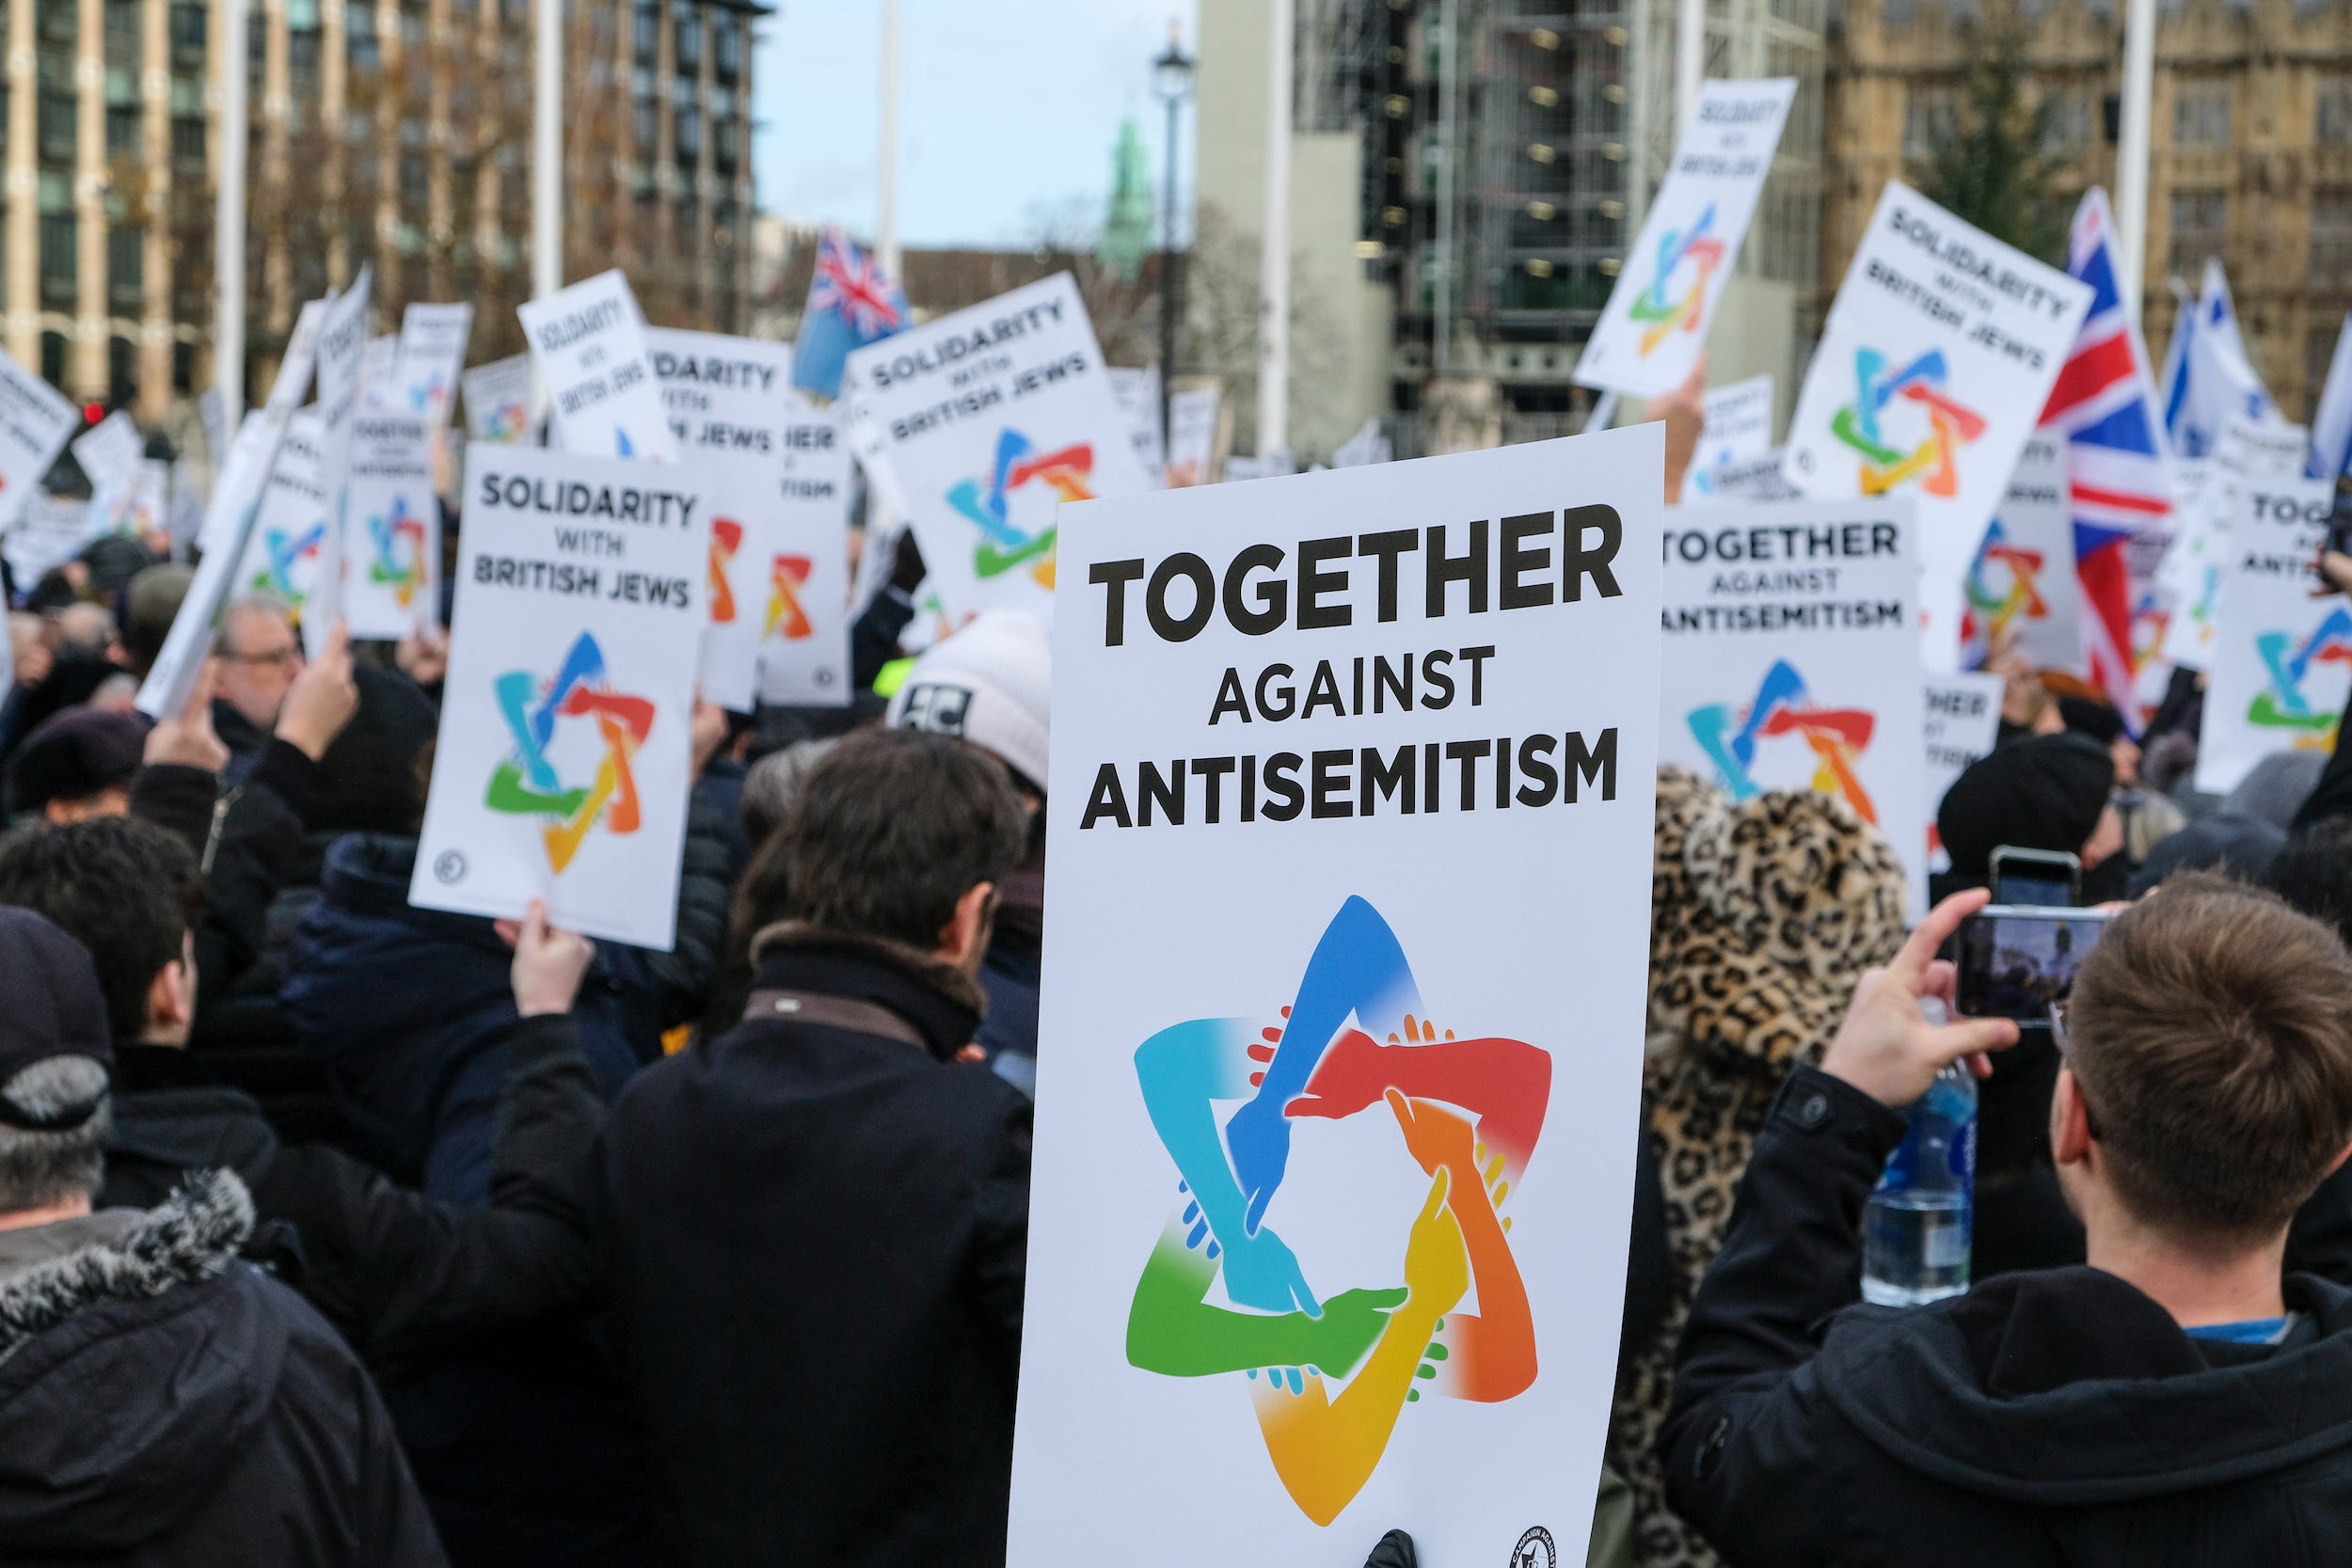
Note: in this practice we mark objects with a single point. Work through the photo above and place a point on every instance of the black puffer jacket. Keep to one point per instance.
(2042, 1420)
(161, 1404)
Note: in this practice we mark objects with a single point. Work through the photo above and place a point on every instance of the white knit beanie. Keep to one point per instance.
(988, 684)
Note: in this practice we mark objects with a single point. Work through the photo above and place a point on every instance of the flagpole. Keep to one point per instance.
(1274, 259)
(2131, 154)
(886, 182)
(546, 154)
(228, 222)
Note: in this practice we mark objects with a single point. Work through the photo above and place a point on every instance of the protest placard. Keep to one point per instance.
(588, 342)
(432, 353)
(725, 394)
(1933, 367)
(229, 518)
(1791, 661)
(342, 347)
(2248, 451)
(1656, 323)
(1738, 427)
(565, 758)
(286, 547)
(148, 514)
(986, 421)
(804, 630)
(501, 400)
(1962, 715)
(1191, 434)
(2021, 589)
(34, 423)
(2282, 659)
(1139, 394)
(49, 531)
(380, 372)
(109, 453)
(2190, 576)
(1299, 713)
(392, 521)
(1750, 478)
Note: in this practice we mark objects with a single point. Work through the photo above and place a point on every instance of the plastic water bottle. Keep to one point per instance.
(1916, 1230)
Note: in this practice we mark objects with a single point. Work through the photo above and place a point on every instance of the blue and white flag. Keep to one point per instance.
(2208, 378)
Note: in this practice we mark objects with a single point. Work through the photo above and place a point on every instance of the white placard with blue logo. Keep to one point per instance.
(392, 526)
(2280, 659)
(982, 424)
(1350, 817)
(565, 756)
(1793, 661)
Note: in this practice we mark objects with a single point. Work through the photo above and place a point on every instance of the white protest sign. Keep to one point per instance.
(229, 518)
(2189, 580)
(987, 421)
(392, 522)
(1656, 323)
(343, 348)
(49, 532)
(565, 758)
(1191, 434)
(432, 353)
(287, 545)
(2282, 660)
(35, 422)
(1962, 718)
(109, 453)
(1298, 714)
(1791, 661)
(2020, 586)
(1750, 478)
(1739, 425)
(501, 399)
(589, 344)
(1139, 394)
(804, 629)
(379, 369)
(148, 512)
(2248, 451)
(725, 394)
(1934, 368)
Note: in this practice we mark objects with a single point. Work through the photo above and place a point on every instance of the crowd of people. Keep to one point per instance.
(334, 1230)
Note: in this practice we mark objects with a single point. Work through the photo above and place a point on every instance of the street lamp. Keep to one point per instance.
(1171, 83)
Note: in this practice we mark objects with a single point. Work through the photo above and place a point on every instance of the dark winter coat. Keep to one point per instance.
(395, 1271)
(2057, 1417)
(412, 1012)
(163, 1403)
(816, 1238)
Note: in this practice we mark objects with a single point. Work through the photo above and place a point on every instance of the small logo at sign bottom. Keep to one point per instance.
(450, 866)
(1535, 1549)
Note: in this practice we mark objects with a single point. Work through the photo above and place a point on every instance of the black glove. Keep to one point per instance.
(1394, 1551)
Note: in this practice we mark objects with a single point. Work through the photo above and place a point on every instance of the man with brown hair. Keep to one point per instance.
(2175, 1401)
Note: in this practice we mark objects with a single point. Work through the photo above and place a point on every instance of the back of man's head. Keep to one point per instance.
(2314, 872)
(151, 604)
(123, 888)
(891, 829)
(54, 1053)
(2211, 1033)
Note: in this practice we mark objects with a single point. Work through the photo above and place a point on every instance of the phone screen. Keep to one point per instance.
(2015, 962)
(2040, 885)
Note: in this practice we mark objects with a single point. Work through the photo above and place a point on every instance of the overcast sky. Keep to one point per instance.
(1006, 108)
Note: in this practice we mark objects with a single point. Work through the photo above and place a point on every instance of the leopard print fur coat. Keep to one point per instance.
(1763, 915)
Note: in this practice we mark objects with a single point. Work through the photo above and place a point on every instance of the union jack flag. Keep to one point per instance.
(852, 302)
(2104, 407)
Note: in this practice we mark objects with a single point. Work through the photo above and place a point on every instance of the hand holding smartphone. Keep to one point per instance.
(2016, 962)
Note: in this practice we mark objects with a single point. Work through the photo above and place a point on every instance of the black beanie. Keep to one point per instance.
(52, 1007)
(2090, 716)
(2041, 794)
(73, 756)
(368, 780)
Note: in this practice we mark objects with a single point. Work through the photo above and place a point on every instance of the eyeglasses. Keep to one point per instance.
(2065, 1051)
(274, 658)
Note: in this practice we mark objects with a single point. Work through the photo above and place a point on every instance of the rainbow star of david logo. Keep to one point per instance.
(2150, 620)
(525, 782)
(1952, 425)
(1784, 706)
(2283, 704)
(1695, 250)
(282, 553)
(506, 422)
(1004, 547)
(787, 574)
(2003, 582)
(399, 563)
(1330, 1377)
(727, 537)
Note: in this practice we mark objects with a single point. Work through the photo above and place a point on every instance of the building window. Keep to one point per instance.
(2200, 227)
(126, 266)
(727, 39)
(2331, 116)
(723, 134)
(54, 116)
(188, 120)
(648, 43)
(366, 50)
(2065, 121)
(687, 121)
(59, 261)
(188, 40)
(648, 127)
(689, 39)
(1930, 120)
(2332, 234)
(53, 357)
(122, 111)
(121, 26)
(2201, 114)
(414, 183)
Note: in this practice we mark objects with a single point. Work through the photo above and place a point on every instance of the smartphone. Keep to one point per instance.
(2015, 961)
(2049, 877)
